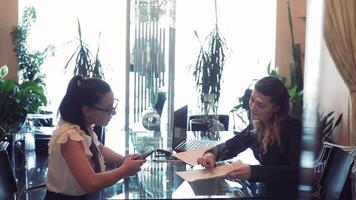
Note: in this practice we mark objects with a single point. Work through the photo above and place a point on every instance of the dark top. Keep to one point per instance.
(280, 164)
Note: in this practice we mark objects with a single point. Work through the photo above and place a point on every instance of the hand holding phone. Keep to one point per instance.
(162, 153)
(145, 154)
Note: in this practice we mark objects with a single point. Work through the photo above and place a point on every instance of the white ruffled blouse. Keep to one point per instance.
(59, 178)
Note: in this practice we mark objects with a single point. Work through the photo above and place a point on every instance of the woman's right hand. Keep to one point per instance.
(207, 160)
(132, 166)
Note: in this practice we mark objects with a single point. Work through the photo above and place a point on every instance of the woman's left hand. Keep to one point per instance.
(132, 156)
(242, 172)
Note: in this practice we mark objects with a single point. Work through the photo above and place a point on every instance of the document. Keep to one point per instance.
(190, 157)
(208, 173)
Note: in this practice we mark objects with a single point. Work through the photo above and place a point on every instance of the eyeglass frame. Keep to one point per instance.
(111, 111)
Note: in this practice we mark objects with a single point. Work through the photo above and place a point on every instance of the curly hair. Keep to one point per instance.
(278, 93)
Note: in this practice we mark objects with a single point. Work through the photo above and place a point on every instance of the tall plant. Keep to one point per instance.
(242, 111)
(295, 88)
(16, 100)
(295, 93)
(327, 125)
(208, 69)
(86, 64)
(295, 64)
(29, 61)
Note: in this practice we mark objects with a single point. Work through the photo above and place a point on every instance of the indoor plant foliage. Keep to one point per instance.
(16, 100)
(86, 64)
(327, 125)
(29, 62)
(241, 109)
(294, 89)
(208, 69)
(327, 128)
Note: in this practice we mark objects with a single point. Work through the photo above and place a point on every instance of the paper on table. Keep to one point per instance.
(208, 173)
(190, 157)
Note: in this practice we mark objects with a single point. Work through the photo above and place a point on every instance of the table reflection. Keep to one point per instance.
(158, 180)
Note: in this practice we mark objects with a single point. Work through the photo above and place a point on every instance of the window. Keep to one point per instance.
(248, 27)
(57, 25)
(249, 30)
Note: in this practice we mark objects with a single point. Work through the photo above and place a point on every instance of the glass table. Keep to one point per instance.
(156, 180)
(159, 180)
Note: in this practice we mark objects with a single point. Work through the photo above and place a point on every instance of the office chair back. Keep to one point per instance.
(320, 163)
(195, 125)
(180, 117)
(161, 99)
(335, 179)
(8, 186)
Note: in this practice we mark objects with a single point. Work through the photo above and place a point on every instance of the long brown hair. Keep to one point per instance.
(279, 96)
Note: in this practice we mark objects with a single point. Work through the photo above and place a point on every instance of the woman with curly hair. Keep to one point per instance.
(274, 137)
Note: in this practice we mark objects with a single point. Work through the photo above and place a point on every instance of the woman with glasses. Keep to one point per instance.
(76, 163)
(274, 137)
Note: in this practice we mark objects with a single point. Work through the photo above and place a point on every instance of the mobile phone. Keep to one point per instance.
(170, 158)
(162, 153)
(145, 154)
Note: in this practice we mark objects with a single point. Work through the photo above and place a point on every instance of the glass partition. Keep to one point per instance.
(311, 95)
(150, 72)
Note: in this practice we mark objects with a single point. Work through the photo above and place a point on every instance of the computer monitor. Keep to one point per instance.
(180, 117)
(180, 141)
(180, 125)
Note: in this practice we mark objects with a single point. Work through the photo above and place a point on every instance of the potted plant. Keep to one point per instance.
(16, 100)
(241, 109)
(295, 88)
(327, 126)
(29, 61)
(207, 71)
(86, 64)
(3, 72)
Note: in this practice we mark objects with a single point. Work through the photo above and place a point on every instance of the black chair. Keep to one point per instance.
(335, 179)
(199, 122)
(320, 163)
(42, 126)
(8, 185)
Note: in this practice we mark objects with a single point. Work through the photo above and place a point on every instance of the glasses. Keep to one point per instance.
(111, 111)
